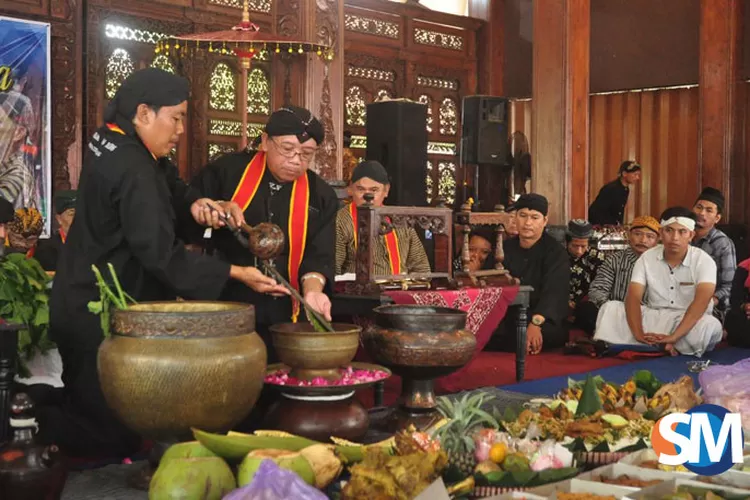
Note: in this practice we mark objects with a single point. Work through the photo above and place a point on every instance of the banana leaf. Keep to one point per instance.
(579, 445)
(525, 479)
(590, 401)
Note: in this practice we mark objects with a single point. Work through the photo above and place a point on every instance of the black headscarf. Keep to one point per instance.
(152, 86)
(6, 212)
(293, 120)
(64, 200)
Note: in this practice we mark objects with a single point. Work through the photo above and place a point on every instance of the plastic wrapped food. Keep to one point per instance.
(274, 483)
(729, 386)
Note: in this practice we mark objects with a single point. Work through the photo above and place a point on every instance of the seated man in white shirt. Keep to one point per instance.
(669, 300)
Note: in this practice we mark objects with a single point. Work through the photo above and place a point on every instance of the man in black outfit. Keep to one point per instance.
(538, 260)
(48, 250)
(608, 208)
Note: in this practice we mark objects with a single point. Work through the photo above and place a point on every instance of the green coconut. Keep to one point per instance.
(197, 478)
(188, 449)
(290, 460)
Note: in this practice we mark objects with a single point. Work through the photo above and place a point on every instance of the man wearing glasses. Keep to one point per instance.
(275, 185)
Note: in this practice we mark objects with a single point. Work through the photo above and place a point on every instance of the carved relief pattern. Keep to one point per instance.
(222, 88)
(258, 92)
(428, 181)
(438, 39)
(233, 128)
(254, 5)
(371, 26)
(383, 95)
(447, 181)
(215, 150)
(427, 222)
(288, 17)
(120, 32)
(448, 116)
(326, 19)
(437, 83)
(355, 105)
(370, 73)
(442, 148)
(162, 61)
(427, 101)
(64, 89)
(119, 67)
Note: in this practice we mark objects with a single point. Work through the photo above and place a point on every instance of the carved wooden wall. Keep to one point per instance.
(65, 17)
(394, 51)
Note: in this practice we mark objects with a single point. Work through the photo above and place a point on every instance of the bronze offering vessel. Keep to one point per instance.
(418, 343)
(312, 354)
(29, 471)
(170, 366)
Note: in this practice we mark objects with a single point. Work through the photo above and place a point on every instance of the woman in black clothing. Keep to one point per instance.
(737, 322)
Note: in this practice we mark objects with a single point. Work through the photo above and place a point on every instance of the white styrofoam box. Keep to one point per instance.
(669, 487)
(648, 455)
(620, 469)
(580, 486)
(516, 495)
(733, 478)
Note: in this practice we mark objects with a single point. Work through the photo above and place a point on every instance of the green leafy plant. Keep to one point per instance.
(24, 300)
(108, 298)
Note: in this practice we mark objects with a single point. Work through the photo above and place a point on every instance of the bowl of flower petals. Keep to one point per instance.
(350, 378)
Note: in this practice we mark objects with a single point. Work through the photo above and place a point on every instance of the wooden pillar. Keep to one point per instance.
(560, 106)
(324, 90)
(719, 110)
(490, 45)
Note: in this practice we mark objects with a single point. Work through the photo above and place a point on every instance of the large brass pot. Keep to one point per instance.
(170, 366)
(419, 343)
(315, 354)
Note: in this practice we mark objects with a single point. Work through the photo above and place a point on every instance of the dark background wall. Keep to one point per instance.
(634, 44)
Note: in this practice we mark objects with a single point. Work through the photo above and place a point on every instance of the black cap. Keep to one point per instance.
(372, 170)
(63, 200)
(532, 201)
(580, 229)
(714, 196)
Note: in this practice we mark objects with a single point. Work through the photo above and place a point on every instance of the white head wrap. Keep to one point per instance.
(683, 221)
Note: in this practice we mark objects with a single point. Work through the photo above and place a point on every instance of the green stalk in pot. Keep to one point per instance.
(108, 298)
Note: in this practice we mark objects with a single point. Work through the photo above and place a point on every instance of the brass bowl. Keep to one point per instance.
(313, 354)
(170, 366)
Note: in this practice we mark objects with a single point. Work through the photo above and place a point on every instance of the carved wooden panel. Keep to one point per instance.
(15, 8)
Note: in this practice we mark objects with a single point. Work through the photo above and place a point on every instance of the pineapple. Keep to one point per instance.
(457, 436)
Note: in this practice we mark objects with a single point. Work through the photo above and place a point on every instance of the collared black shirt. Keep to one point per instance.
(546, 267)
(608, 209)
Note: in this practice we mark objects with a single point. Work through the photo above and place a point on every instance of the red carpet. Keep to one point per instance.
(492, 369)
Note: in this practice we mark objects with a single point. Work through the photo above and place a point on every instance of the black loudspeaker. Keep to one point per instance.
(484, 130)
(397, 138)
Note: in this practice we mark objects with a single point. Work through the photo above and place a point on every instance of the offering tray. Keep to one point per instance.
(324, 390)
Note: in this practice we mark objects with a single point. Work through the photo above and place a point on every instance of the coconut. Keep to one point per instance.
(188, 449)
(290, 460)
(199, 478)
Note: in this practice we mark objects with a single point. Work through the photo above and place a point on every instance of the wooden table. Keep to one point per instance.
(362, 305)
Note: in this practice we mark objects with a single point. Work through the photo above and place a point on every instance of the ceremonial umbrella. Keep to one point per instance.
(245, 41)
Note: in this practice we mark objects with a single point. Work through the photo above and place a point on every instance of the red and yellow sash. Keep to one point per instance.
(298, 211)
(391, 243)
(63, 236)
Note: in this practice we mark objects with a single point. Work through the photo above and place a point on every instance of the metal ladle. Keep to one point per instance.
(266, 241)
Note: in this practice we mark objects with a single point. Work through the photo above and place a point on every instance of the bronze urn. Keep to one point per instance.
(419, 343)
(170, 366)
